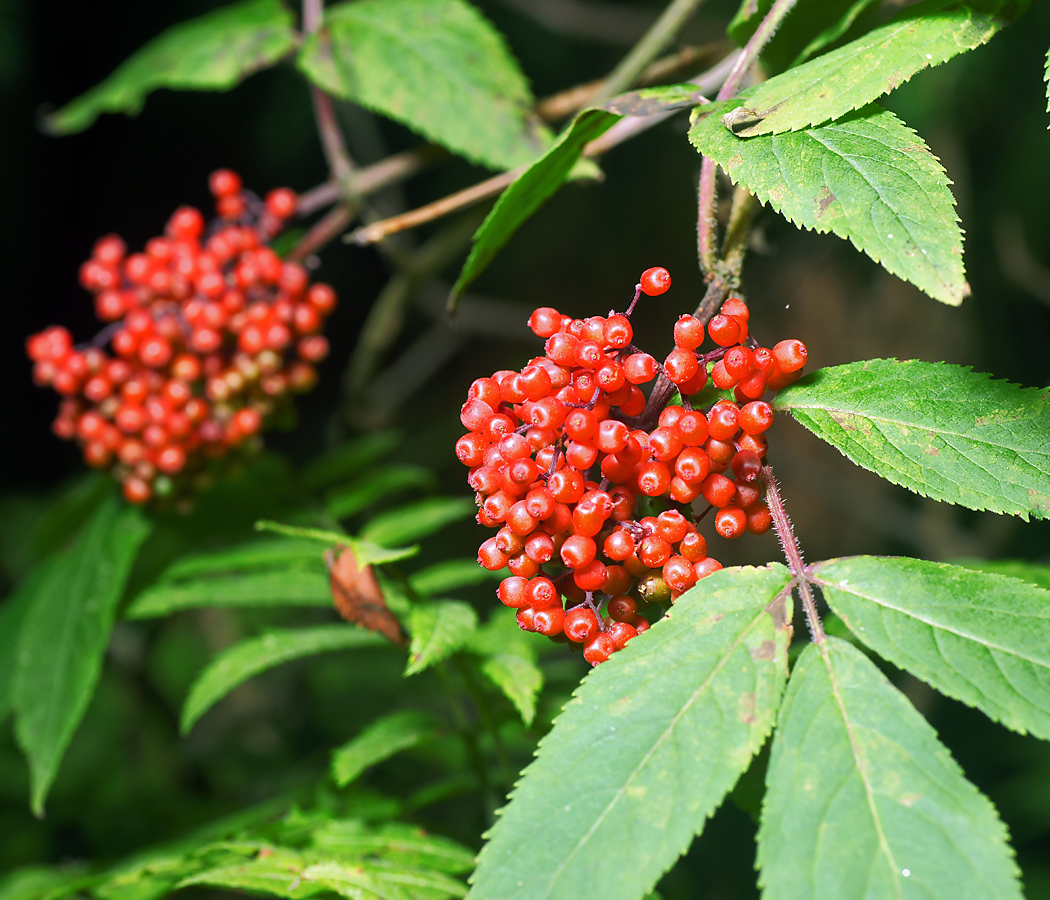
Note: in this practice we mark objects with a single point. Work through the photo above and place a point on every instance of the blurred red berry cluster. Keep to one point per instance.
(561, 452)
(209, 329)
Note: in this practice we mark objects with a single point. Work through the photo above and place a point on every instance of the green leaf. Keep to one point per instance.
(519, 678)
(210, 53)
(378, 483)
(64, 635)
(247, 557)
(236, 664)
(291, 587)
(868, 178)
(448, 575)
(853, 76)
(438, 629)
(34, 882)
(379, 741)
(529, 192)
(416, 520)
(939, 430)
(863, 801)
(811, 26)
(681, 710)
(277, 871)
(12, 612)
(981, 638)
(394, 841)
(388, 882)
(437, 66)
(1011, 568)
(366, 552)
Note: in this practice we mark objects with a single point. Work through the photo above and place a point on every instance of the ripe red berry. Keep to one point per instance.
(655, 281)
(580, 625)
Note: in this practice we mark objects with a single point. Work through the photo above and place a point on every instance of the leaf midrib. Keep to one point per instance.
(932, 623)
(656, 745)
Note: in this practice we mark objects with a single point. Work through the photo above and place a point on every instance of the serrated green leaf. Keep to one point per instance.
(416, 520)
(291, 587)
(529, 192)
(366, 552)
(981, 638)
(236, 664)
(811, 26)
(1012, 568)
(394, 841)
(449, 575)
(853, 76)
(519, 678)
(64, 634)
(213, 52)
(384, 481)
(940, 430)
(863, 801)
(437, 66)
(438, 629)
(867, 178)
(682, 709)
(379, 741)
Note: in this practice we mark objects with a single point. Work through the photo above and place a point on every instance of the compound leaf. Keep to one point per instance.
(940, 430)
(519, 678)
(681, 710)
(383, 481)
(213, 52)
(866, 177)
(382, 739)
(981, 638)
(275, 871)
(416, 520)
(437, 66)
(853, 76)
(64, 634)
(863, 801)
(438, 629)
(236, 664)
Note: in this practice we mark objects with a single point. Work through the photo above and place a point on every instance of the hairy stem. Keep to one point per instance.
(793, 554)
(645, 51)
(706, 200)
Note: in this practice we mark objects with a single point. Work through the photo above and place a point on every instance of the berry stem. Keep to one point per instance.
(334, 223)
(792, 552)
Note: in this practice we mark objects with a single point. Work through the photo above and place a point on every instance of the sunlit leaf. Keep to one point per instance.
(438, 628)
(379, 741)
(654, 738)
(939, 430)
(863, 801)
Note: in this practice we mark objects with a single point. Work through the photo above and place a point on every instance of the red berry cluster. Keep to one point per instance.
(209, 330)
(561, 452)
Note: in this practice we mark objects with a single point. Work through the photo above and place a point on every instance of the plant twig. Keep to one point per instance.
(705, 220)
(337, 156)
(334, 223)
(789, 542)
(659, 35)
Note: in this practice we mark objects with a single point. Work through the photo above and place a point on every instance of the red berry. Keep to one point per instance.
(581, 624)
(655, 281)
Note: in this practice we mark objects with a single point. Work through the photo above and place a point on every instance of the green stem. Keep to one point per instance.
(652, 43)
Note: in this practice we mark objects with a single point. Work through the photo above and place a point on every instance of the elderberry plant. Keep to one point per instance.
(611, 467)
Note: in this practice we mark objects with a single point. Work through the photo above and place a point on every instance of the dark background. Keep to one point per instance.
(983, 115)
